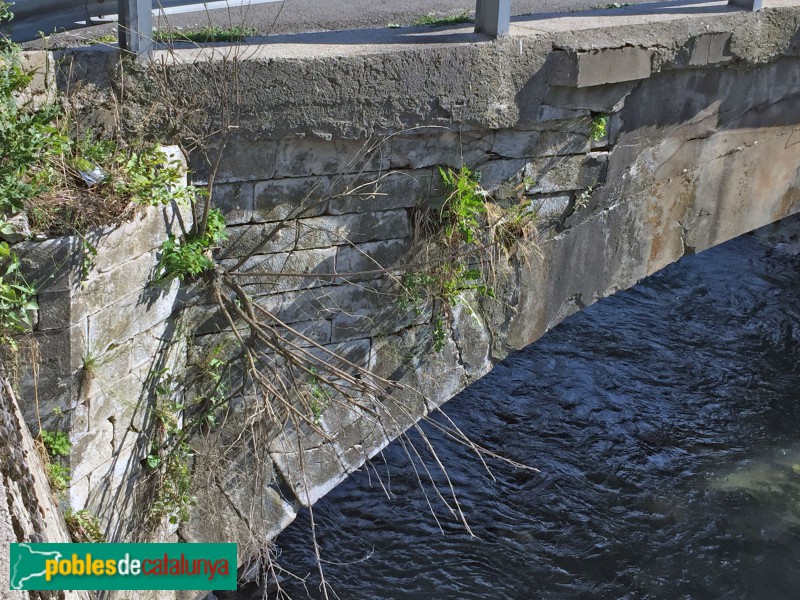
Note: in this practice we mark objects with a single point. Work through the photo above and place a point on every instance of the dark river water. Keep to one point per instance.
(665, 422)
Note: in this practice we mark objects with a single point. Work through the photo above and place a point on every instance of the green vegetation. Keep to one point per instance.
(56, 447)
(170, 455)
(206, 35)
(598, 128)
(471, 227)
(431, 20)
(29, 138)
(17, 298)
(56, 443)
(191, 256)
(464, 206)
(67, 179)
(109, 38)
(319, 397)
(174, 498)
(84, 527)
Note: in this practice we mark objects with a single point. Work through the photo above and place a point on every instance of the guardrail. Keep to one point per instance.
(492, 17)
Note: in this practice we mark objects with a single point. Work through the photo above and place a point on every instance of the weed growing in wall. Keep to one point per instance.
(84, 527)
(170, 456)
(56, 446)
(190, 256)
(598, 129)
(471, 227)
(17, 298)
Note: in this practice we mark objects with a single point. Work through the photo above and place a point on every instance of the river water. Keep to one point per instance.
(665, 422)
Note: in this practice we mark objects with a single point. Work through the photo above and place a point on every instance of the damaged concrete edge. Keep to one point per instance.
(382, 82)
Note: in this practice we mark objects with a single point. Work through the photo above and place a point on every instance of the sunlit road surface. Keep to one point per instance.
(294, 16)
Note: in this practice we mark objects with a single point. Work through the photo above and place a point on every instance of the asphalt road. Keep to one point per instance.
(294, 16)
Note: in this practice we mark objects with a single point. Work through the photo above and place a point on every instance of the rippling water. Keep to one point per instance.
(665, 421)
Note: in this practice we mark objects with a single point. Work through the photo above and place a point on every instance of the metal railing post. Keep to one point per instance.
(493, 17)
(136, 26)
(753, 5)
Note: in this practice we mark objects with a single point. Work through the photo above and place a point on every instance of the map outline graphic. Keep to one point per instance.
(13, 571)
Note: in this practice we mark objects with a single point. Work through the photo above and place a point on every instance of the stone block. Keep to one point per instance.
(146, 346)
(244, 156)
(280, 199)
(65, 308)
(90, 460)
(327, 302)
(317, 473)
(359, 440)
(472, 338)
(52, 265)
(119, 322)
(598, 99)
(318, 332)
(513, 143)
(370, 257)
(62, 348)
(234, 503)
(710, 49)
(549, 207)
(559, 174)
(397, 358)
(324, 232)
(440, 147)
(244, 239)
(379, 191)
(123, 403)
(267, 271)
(356, 352)
(547, 113)
(381, 320)
(601, 66)
(235, 200)
(58, 356)
(42, 88)
(305, 157)
(119, 244)
(498, 177)
(205, 319)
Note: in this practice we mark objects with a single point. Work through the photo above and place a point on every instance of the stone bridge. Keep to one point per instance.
(638, 135)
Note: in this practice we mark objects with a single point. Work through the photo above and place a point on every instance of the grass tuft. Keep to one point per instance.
(432, 20)
(206, 35)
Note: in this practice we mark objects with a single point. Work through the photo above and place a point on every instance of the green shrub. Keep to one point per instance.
(464, 204)
(56, 443)
(191, 256)
(57, 446)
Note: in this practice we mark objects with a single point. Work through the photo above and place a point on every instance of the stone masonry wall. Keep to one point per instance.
(102, 330)
(672, 174)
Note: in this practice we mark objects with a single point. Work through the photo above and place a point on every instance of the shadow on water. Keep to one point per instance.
(666, 424)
